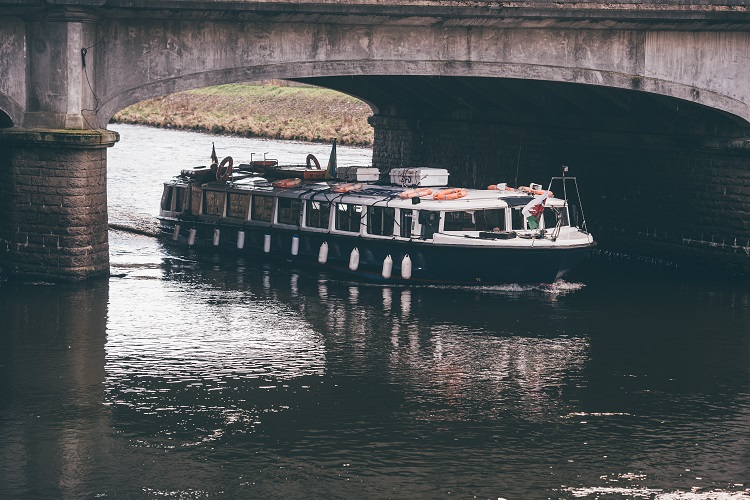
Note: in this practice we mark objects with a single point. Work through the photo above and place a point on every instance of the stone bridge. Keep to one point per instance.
(648, 102)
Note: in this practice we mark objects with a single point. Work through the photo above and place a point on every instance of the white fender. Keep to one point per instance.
(406, 267)
(295, 244)
(267, 243)
(387, 267)
(240, 239)
(323, 253)
(354, 259)
(176, 233)
(217, 234)
(191, 237)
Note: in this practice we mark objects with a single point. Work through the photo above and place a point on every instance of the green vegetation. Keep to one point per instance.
(291, 113)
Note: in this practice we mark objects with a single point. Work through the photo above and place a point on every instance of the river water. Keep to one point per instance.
(190, 375)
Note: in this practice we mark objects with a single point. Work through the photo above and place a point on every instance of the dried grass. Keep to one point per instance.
(290, 113)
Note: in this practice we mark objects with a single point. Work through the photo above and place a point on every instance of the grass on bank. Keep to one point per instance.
(291, 113)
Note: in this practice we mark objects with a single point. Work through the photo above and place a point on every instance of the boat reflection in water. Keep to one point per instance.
(258, 326)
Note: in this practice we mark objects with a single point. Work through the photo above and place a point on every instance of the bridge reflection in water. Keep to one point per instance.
(193, 374)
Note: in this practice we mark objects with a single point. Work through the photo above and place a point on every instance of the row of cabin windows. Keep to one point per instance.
(381, 221)
(176, 195)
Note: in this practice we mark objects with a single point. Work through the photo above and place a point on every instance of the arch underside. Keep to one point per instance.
(10, 112)
(5, 120)
(521, 94)
(536, 103)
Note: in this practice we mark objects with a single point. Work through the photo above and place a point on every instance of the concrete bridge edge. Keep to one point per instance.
(706, 97)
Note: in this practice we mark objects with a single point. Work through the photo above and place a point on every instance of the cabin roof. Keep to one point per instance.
(380, 195)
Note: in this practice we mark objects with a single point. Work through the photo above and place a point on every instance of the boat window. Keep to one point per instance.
(213, 202)
(262, 208)
(289, 211)
(430, 223)
(550, 216)
(475, 220)
(407, 217)
(237, 204)
(317, 214)
(490, 220)
(348, 217)
(516, 219)
(459, 221)
(196, 195)
(380, 220)
(166, 199)
(179, 198)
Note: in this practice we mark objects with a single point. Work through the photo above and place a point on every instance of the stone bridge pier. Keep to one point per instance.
(53, 201)
(53, 194)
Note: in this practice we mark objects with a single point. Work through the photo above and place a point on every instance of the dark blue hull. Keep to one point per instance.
(431, 263)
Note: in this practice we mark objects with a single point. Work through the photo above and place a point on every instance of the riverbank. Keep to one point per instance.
(288, 113)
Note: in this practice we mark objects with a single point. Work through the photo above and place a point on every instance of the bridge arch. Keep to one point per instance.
(361, 81)
(173, 85)
(159, 57)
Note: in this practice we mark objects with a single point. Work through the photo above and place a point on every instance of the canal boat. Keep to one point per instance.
(411, 227)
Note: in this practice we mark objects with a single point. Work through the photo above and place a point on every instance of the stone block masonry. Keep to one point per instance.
(53, 203)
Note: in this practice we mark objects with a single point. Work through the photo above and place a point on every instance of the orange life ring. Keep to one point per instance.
(287, 183)
(310, 160)
(415, 193)
(222, 172)
(345, 187)
(450, 194)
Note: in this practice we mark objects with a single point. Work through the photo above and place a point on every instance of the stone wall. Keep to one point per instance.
(53, 204)
(676, 199)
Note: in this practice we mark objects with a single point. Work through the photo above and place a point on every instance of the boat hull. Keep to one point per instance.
(431, 263)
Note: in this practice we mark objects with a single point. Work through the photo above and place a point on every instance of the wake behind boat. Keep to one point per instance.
(412, 229)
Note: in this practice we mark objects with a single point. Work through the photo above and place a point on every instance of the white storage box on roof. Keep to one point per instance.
(419, 176)
(358, 174)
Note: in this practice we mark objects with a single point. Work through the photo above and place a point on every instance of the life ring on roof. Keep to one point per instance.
(345, 187)
(497, 187)
(415, 193)
(450, 194)
(222, 171)
(287, 183)
(310, 160)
